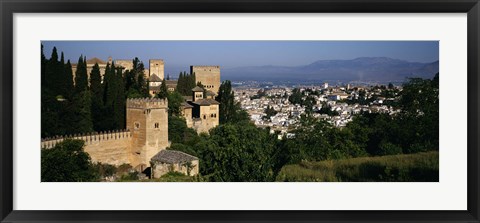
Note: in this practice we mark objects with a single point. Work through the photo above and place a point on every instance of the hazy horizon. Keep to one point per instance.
(179, 55)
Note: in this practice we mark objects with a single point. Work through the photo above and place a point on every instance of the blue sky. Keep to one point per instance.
(179, 55)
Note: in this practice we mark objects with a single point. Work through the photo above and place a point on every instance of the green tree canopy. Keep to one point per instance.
(81, 77)
(67, 162)
(175, 100)
(238, 153)
(229, 110)
(163, 93)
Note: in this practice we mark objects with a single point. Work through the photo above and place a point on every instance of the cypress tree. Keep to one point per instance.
(142, 84)
(163, 93)
(51, 75)
(68, 80)
(97, 97)
(119, 103)
(82, 120)
(81, 77)
(108, 121)
(43, 65)
(192, 82)
(227, 108)
(51, 107)
(142, 81)
(180, 84)
(62, 79)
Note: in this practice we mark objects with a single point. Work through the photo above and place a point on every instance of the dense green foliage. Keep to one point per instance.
(66, 109)
(414, 129)
(96, 90)
(67, 162)
(175, 177)
(230, 111)
(304, 98)
(327, 110)
(81, 76)
(91, 104)
(419, 167)
(163, 93)
(136, 85)
(269, 112)
(178, 132)
(175, 100)
(238, 152)
(185, 83)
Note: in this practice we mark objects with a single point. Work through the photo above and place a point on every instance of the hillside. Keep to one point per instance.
(420, 167)
(359, 69)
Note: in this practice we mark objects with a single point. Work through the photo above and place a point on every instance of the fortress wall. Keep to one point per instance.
(89, 70)
(106, 147)
(115, 152)
(127, 64)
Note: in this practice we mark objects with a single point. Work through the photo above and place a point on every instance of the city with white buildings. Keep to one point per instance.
(280, 107)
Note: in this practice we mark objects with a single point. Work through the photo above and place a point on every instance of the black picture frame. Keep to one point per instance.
(9, 7)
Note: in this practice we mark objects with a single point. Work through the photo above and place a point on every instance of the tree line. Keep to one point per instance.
(82, 103)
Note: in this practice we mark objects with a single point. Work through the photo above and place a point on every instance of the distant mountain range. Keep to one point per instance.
(359, 69)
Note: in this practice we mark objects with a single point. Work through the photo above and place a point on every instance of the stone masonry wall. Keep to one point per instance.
(209, 118)
(208, 75)
(147, 120)
(161, 169)
(157, 67)
(109, 147)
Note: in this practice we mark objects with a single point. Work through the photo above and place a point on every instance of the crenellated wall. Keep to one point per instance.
(113, 147)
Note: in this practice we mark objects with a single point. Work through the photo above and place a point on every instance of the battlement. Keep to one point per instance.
(159, 61)
(89, 138)
(147, 103)
(205, 67)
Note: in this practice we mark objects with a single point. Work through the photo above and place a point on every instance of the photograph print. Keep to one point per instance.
(239, 111)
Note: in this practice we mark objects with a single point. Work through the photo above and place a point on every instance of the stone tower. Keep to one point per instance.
(157, 67)
(147, 120)
(208, 75)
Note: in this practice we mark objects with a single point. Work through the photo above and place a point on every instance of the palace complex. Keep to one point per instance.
(143, 144)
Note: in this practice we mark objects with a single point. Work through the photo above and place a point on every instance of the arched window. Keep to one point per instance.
(204, 116)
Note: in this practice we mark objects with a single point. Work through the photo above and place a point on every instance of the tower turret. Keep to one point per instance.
(197, 93)
(147, 120)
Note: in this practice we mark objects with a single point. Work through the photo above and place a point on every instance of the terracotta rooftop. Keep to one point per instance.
(197, 89)
(95, 60)
(172, 157)
(186, 105)
(210, 93)
(205, 102)
(171, 82)
(154, 78)
(154, 88)
(188, 98)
